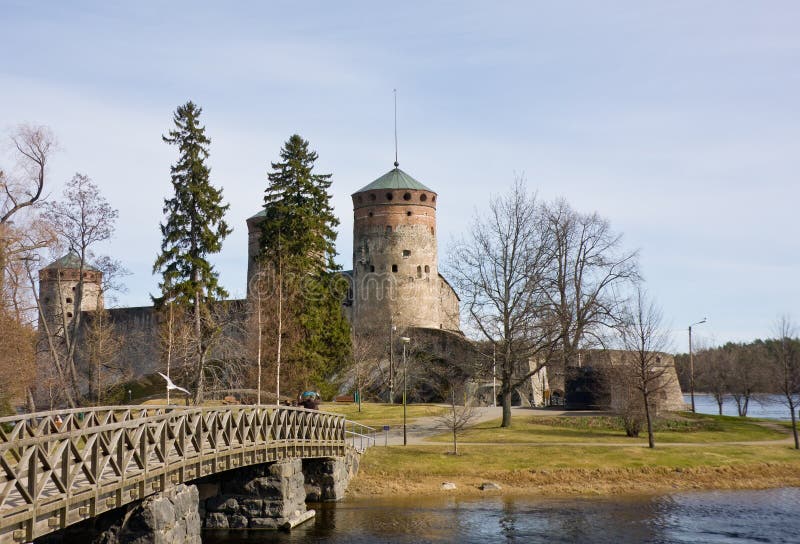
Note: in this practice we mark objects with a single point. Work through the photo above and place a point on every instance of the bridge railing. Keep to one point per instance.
(359, 436)
(60, 467)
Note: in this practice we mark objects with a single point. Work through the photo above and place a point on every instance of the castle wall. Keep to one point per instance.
(138, 329)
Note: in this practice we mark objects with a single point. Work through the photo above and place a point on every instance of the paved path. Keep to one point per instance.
(423, 428)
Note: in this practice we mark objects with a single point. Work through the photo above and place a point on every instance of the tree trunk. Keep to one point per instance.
(259, 295)
(506, 398)
(720, 401)
(650, 438)
(198, 331)
(794, 425)
(455, 421)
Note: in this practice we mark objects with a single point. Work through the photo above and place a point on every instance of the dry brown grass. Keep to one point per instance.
(547, 471)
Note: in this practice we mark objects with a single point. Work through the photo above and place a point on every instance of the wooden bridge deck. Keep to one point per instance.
(59, 468)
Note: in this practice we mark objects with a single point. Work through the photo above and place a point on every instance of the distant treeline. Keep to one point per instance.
(742, 370)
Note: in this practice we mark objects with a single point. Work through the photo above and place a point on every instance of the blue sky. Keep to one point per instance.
(678, 121)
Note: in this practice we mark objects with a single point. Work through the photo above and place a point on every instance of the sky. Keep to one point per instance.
(677, 121)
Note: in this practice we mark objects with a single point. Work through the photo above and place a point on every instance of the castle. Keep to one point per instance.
(395, 284)
(396, 291)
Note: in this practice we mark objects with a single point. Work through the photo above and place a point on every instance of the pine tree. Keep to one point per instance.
(298, 243)
(194, 229)
(299, 221)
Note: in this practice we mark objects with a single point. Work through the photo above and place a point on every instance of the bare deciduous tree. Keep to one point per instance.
(747, 376)
(587, 272)
(499, 269)
(644, 340)
(83, 219)
(786, 364)
(21, 188)
(712, 371)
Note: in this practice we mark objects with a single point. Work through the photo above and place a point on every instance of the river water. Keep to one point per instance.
(709, 516)
(767, 406)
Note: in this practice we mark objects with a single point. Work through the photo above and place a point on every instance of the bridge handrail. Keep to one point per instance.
(58, 467)
(361, 436)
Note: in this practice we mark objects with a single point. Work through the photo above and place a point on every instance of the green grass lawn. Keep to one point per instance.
(686, 427)
(376, 415)
(434, 461)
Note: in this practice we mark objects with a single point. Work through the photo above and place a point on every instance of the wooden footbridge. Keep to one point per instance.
(59, 468)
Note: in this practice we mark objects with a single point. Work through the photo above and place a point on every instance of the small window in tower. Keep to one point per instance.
(372, 196)
(372, 268)
(408, 214)
(394, 268)
(427, 269)
(69, 314)
(406, 253)
(360, 199)
(433, 231)
(370, 214)
(388, 229)
(73, 287)
(423, 197)
(389, 196)
(433, 198)
(69, 300)
(419, 271)
(407, 196)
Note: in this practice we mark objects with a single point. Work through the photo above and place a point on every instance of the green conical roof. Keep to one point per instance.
(394, 179)
(69, 261)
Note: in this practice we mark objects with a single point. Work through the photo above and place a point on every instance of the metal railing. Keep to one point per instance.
(359, 436)
(59, 468)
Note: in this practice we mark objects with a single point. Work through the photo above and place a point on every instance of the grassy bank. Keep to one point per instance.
(604, 429)
(575, 470)
(376, 415)
(589, 455)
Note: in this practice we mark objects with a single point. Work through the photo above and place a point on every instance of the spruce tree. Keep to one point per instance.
(194, 228)
(298, 242)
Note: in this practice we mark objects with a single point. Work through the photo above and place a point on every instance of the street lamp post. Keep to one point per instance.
(405, 340)
(691, 361)
(392, 328)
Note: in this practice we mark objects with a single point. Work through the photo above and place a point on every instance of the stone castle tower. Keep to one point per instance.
(395, 276)
(58, 282)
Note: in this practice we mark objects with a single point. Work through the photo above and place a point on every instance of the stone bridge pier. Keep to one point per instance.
(266, 496)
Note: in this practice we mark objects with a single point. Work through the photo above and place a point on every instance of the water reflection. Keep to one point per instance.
(732, 516)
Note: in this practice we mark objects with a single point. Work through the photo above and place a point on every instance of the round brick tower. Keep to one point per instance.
(395, 261)
(58, 282)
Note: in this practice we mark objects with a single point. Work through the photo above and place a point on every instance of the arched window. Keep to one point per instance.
(372, 196)
(408, 214)
(388, 229)
(423, 197)
(427, 269)
(394, 268)
(407, 196)
(419, 271)
(389, 196)
(370, 214)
